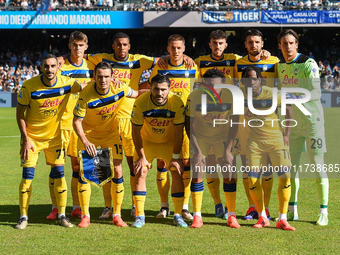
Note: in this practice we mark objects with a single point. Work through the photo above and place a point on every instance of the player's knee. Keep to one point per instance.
(57, 172)
(28, 173)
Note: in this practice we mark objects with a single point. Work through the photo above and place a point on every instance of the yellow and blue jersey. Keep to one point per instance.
(180, 79)
(157, 120)
(268, 68)
(98, 110)
(82, 74)
(46, 104)
(128, 71)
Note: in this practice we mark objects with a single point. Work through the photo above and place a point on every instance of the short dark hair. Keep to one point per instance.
(257, 70)
(48, 56)
(160, 78)
(214, 73)
(253, 32)
(103, 65)
(218, 34)
(285, 32)
(120, 35)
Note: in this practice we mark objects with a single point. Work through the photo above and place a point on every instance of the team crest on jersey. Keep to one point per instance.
(224, 107)
(96, 161)
(227, 63)
(168, 114)
(296, 71)
(130, 64)
(265, 68)
(228, 16)
(263, 103)
(87, 74)
(61, 91)
(187, 74)
(116, 98)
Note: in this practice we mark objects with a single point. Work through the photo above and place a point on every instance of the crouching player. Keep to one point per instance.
(157, 131)
(266, 139)
(94, 122)
(204, 135)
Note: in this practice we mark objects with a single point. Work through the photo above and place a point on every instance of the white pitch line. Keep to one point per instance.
(10, 136)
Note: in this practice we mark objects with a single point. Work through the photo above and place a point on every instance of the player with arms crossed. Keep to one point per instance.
(76, 67)
(254, 44)
(204, 136)
(180, 78)
(95, 126)
(41, 103)
(157, 131)
(301, 71)
(266, 139)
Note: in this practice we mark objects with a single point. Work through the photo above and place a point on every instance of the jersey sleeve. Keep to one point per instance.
(197, 62)
(75, 86)
(187, 107)
(179, 115)
(312, 73)
(147, 62)
(137, 117)
(24, 96)
(95, 58)
(154, 72)
(80, 109)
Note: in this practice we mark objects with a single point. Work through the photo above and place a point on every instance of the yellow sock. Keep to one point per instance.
(51, 186)
(25, 191)
(60, 190)
(246, 189)
(197, 195)
(284, 192)
(163, 184)
(230, 196)
(117, 193)
(267, 185)
(255, 191)
(177, 199)
(139, 201)
(186, 176)
(74, 188)
(107, 194)
(84, 194)
(214, 188)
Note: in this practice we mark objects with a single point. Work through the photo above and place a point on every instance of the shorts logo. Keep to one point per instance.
(61, 91)
(264, 68)
(296, 71)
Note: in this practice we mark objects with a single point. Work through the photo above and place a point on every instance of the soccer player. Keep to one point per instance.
(301, 71)
(95, 126)
(254, 44)
(226, 64)
(157, 131)
(41, 103)
(127, 68)
(204, 136)
(80, 69)
(266, 139)
(180, 79)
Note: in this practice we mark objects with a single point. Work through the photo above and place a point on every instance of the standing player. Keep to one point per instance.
(95, 126)
(266, 139)
(127, 68)
(80, 69)
(301, 71)
(180, 79)
(254, 44)
(41, 103)
(226, 64)
(204, 136)
(157, 131)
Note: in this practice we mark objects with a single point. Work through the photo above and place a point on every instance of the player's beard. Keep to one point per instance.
(254, 54)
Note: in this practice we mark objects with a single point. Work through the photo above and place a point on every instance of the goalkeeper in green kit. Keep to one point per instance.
(300, 71)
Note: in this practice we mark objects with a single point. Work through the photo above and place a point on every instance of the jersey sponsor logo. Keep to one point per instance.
(287, 80)
(158, 130)
(178, 85)
(122, 75)
(51, 103)
(107, 116)
(211, 116)
(39, 95)
(207, 64)
(50, 113)
(160, 123)
(106, 110)
(224, 70)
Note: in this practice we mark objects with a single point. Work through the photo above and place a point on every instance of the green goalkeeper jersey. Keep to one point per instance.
(303, 72)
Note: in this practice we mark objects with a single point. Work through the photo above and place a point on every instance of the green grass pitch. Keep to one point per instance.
(159, 236)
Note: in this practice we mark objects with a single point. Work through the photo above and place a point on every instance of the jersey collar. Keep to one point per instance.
(253, 61)
(42, 80)
(95, 87)
(176, 66)
(158, 104)
(293, 61)
(114, 55)
(216, 58)
(258, 93)
(69, 60)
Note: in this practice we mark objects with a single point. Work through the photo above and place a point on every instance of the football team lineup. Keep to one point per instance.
(97, 101)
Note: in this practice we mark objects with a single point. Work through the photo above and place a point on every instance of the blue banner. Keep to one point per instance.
(230, 17)
(290, 17)
(71, 20)
(329, 17)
